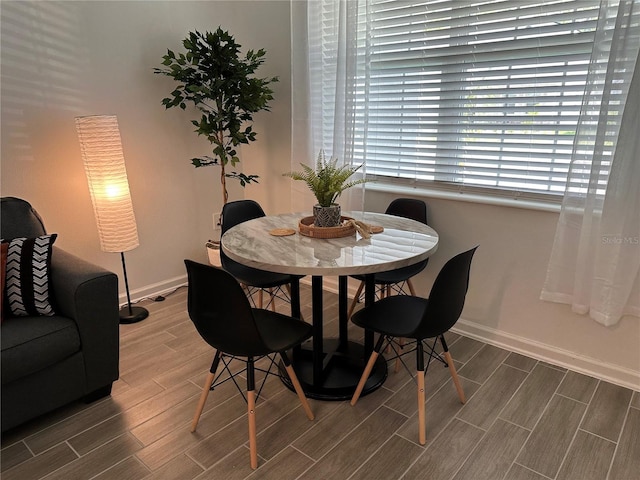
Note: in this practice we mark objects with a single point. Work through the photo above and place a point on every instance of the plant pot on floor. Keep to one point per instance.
(326, 216)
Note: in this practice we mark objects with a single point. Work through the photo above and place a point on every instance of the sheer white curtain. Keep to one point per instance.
(316, 65)
(595, 261)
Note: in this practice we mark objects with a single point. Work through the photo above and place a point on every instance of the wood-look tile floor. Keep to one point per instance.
(524, 419)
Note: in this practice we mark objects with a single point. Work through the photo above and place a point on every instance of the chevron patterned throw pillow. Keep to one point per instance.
(27, 275)
(3, 271)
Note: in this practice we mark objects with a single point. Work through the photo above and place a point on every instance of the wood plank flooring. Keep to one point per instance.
(524, 420)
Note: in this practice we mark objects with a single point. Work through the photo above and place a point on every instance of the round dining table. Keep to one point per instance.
(330, 368)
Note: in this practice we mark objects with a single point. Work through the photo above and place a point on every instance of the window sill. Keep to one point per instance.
(463, 197)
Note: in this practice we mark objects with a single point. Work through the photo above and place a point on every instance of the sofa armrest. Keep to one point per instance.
(88, 294)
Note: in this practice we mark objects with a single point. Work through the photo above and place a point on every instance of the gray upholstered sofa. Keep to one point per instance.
(49, 361)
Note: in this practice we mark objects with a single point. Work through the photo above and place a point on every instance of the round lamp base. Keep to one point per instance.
(133, 314)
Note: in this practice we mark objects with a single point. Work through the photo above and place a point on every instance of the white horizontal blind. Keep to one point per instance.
(483, 93)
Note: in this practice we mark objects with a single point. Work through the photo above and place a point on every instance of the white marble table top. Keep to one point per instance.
(403, 242)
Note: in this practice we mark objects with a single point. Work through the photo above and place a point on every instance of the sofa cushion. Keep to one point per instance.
(19, 219)
(28, 278)
(30, 344)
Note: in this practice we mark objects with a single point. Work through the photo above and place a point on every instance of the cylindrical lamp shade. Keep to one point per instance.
(107, 176)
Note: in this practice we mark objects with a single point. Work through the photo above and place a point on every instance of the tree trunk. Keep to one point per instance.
(223, 173)
(223, 182)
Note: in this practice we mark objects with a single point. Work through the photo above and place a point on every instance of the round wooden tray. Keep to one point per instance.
(308, 229)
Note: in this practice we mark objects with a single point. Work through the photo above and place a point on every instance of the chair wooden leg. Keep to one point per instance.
(412, 290)
(355, 300)
(260, 298)
(299, 391)
(296, 385)
(251, 413)
(206, 389)
(422, 421)
(253, 443)
(454, 376)
(203, 399)
(364, 377)
(421, 409)
(367, 370)
(452, 369)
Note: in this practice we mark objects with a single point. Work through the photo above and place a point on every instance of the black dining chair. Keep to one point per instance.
(396, 280)
(224, 318)
(416, 318)
(255, 280)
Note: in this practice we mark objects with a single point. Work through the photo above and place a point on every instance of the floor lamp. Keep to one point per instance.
(107, 177)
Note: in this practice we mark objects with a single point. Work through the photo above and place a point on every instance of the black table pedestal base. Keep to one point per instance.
(342, 369)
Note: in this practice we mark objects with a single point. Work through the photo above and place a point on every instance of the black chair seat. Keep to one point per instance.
(280, 332)
(395, 316)
(398, 275)
(255, 277)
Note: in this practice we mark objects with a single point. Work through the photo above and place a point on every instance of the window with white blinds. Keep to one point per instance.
(472, 94)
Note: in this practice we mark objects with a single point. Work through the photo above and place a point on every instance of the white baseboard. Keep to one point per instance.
(153, 290)
(548, 353)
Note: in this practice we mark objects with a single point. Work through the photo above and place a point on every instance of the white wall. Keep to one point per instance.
(65, 59)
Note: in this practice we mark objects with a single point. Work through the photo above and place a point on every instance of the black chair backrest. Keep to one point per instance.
(408, 208)
(414, 210)
(239, 211)
(221, 312)
(234, 213)
(446, 299)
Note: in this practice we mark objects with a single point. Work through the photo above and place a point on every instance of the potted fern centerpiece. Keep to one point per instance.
(327, 181)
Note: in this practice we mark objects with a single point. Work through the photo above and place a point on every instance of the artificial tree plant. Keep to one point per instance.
(221, 84)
